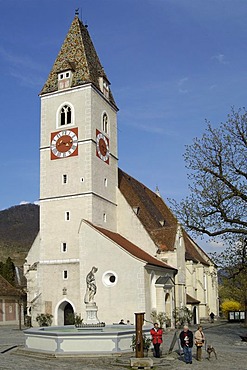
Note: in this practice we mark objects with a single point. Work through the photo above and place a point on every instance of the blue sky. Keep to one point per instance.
(171, 63)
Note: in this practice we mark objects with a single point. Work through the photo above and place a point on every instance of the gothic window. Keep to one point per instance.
(105, 123)
(65, 115)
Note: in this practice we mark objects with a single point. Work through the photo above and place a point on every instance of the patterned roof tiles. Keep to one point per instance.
(78, 54)
(154, 214)
(157, 218)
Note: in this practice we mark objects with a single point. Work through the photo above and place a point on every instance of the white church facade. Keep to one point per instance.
(95, 217)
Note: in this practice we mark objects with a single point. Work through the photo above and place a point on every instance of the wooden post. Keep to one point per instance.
(139, 320)
(19, 312)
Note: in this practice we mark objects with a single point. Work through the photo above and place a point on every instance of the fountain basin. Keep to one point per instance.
(70, 341)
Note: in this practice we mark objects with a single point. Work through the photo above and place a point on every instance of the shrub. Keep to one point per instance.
(44, 319)
(230, 305)
(146, 342)
(74, 319)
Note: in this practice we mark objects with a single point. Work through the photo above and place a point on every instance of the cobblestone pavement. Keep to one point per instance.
(231, 353)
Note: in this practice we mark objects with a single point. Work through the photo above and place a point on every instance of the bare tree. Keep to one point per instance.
(217, 164)
(217, 204)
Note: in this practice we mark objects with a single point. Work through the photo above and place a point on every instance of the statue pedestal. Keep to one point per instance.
(91, 310)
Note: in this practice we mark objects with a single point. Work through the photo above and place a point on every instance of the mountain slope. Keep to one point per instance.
(19, 226)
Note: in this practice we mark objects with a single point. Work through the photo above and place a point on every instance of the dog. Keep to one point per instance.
(210, 350)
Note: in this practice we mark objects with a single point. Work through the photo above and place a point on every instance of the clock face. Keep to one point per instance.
(102, 147)
(64, 143)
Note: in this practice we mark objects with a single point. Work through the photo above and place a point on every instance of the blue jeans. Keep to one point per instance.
(187, 354)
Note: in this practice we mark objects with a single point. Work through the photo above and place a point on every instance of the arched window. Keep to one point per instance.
(105, 123)
(65, 115)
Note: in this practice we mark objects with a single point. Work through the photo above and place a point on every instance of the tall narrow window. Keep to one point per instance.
(65, 274)
(64, 247)
(105, 123)
(65, 115)
(104, 217)
(65, 179)
(67, 216)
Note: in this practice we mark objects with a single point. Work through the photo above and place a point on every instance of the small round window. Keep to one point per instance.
(109, 278)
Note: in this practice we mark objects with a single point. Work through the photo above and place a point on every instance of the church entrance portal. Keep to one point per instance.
(68, 314)
(65, 314)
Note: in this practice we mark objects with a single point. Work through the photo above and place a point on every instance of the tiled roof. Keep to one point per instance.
(155, 216)
(131, 248)
(6, 289)
(191, 251)
(78, 54)
(152, 211)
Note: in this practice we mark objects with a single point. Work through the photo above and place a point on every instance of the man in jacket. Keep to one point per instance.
(186, 340)
(156, 333)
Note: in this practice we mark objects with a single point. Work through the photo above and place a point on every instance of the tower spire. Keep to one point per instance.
(78, 54)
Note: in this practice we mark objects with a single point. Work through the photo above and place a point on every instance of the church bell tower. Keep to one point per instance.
(78, 160)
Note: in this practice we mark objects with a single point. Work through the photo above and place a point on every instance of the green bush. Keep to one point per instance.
(74, 319)
(146, 342)
(44, 319)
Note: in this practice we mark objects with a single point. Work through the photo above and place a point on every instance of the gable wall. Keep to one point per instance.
(128, 295)
(129, 226)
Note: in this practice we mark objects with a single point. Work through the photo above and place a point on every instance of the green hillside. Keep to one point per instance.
(19, 226)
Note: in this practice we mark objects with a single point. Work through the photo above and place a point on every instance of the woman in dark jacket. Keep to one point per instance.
(156, 333)
(186, 340)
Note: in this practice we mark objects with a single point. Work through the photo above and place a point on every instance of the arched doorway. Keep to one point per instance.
(68, 314)
(65, 314)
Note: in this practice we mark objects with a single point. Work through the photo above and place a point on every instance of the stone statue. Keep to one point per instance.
(91, 286)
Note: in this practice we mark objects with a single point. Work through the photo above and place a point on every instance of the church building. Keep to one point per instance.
(108, 246)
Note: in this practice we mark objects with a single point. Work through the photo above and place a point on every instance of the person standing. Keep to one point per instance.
(212, 317)
(156, 334)
(186, 340)
(199, 341)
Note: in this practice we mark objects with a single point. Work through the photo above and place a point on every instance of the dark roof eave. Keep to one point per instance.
(130, 247)
(55, 90)
(170, 268)
(191, 300)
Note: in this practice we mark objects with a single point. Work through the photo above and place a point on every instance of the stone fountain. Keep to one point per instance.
(92, 337)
